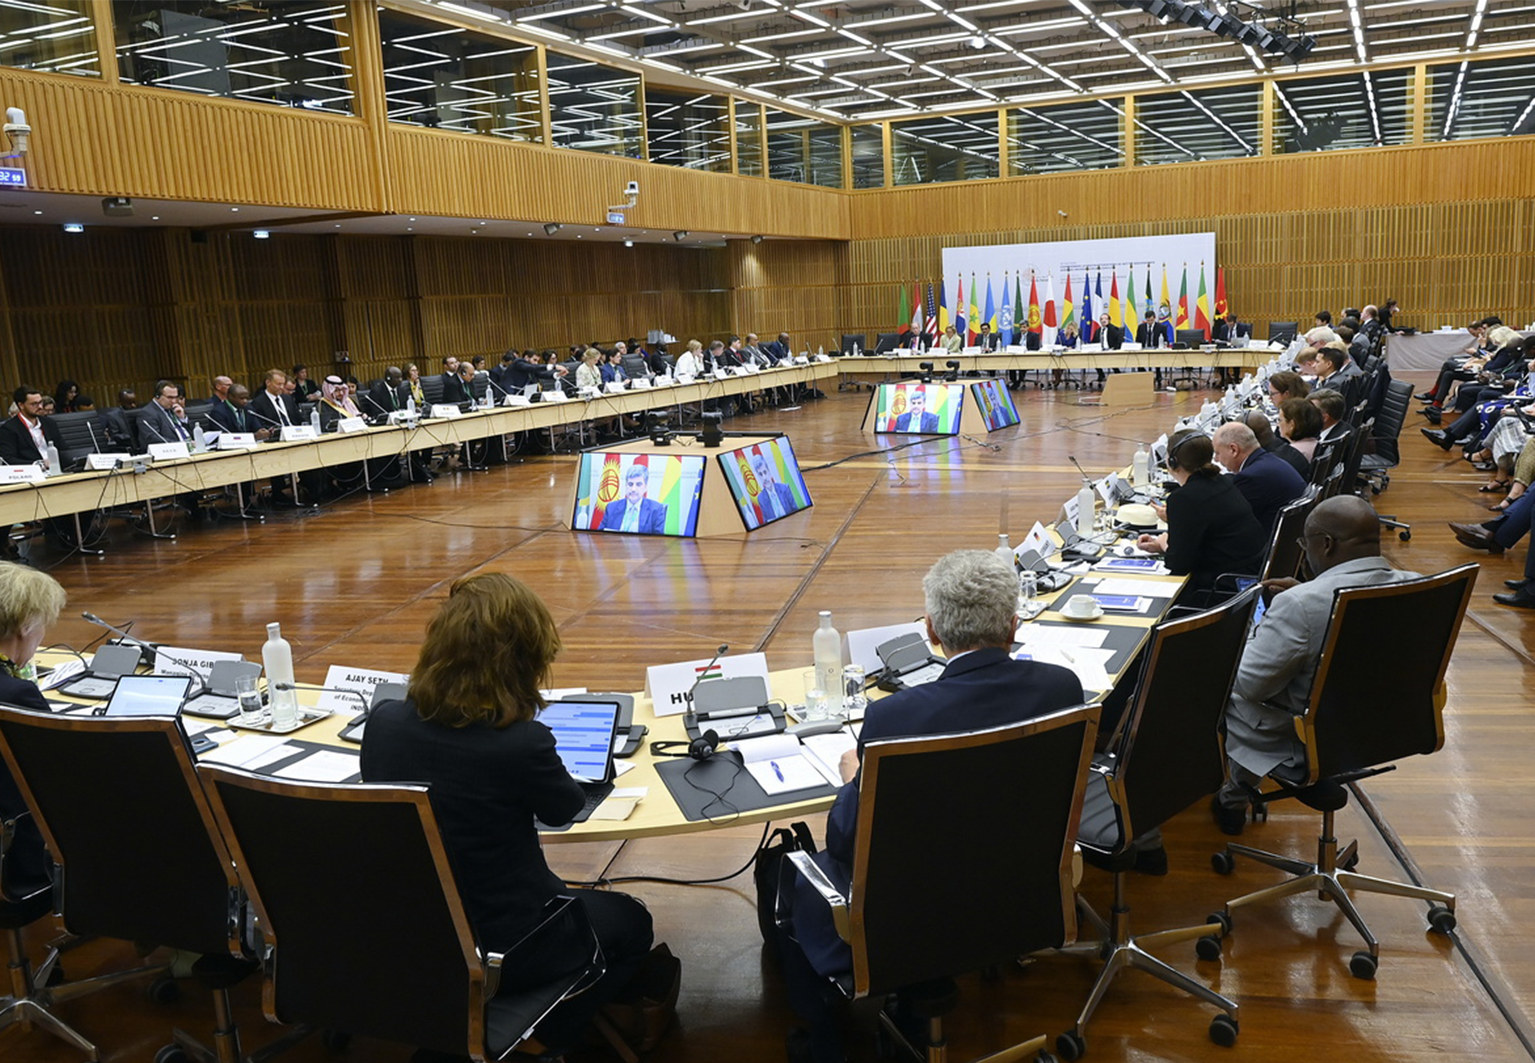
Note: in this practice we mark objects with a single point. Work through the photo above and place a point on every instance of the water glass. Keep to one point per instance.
(854, 700)
(252, 712)
(816, 707)
(1028, 591)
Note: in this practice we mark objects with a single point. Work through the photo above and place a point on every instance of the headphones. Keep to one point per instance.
(1172, 454)
(701, 748)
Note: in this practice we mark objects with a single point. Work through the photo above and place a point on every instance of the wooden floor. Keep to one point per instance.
(355, 583)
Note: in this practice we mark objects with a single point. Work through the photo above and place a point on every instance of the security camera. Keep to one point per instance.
(632, 188)
(17, 131)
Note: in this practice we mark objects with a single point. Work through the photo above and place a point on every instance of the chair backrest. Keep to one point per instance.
(1285, 553)
(964, 848)
(1389, 421)
(431, 387)
(354, 890)
(479, 384)
(119, 804)
(634, 366)
(75, 431)
(1366, 710)
(1354, 453)
(1168, 753)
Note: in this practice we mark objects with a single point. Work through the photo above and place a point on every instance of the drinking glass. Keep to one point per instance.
(252, 712)
(816, 707)
(854, 700)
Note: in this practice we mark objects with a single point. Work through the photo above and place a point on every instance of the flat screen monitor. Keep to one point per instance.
(854, 339)
(1190, 337)
(643, 494)
(918, 409)
(583, 737)
(995, 403)
(148, 695)
(1283, 331)
(765, 482)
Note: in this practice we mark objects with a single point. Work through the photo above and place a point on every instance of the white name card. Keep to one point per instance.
(668, 684)
(517, 400)
(298, 433)
(752, 368)
(720, 374)
(589, 393)
(804, 359)
(178, 660)
(970, 350)
(819, 358)
(642, 383)
(1016, 348)
(21, 474)
(236, 441)
(614, 387)
(1037, 540)
(555, 396)
(738, 370)
(169, 451)
(361, 680)
(351, 424)
(105, 461)
(862, 644)
(441, 409)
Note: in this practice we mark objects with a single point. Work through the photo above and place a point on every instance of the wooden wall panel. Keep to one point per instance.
(110, 140)
(794, 286)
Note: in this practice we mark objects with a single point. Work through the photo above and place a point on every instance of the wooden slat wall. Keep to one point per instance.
(794, 286)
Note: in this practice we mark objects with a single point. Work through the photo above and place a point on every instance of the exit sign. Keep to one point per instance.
(11, 178)
(615, 217)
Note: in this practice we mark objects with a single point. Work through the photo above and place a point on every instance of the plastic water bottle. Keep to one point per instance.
(277, 657)
(827, 647)
(55, 466)
(1140, 472)
(314, 420)
(1086, 498)
(1004, 551)
(199, 441)
(410, 407)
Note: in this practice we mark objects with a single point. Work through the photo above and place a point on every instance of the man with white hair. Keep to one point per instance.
(971, 602)
(1266, 480)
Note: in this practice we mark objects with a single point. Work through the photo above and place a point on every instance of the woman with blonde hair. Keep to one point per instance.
(691, 363)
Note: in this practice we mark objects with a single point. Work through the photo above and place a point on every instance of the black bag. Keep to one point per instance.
(770, 859)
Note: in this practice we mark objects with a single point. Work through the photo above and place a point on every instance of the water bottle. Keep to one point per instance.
(277, 657)
(410, 407)
(1086, 499)
(827, 646)
(1140, 472)
(1004, 551)
(199, 441)
(55, 466)
(314, 420)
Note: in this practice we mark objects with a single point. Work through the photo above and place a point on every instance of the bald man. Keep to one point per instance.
(1273, 684)
(1263, 479)
(1269, 440)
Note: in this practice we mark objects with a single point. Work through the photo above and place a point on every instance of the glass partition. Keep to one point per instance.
(1190, 126)
(749, 139)
(868, 156)
(688, 129)
(959, 147)
(803, 149)
(1367, 110)
(1071, 136)
(594, 107)
(444, 77)
(58, 36)
(1481, 98)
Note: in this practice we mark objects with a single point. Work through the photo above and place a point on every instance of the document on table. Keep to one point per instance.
(825, 753)
(778, 764)
(1089, 665)
(325, 766)
(251, 752)
(620, 803)
(1141, 566)
(1036, 635)
(1135, 588)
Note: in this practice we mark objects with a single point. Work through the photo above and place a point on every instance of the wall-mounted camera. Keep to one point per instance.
(20, 134)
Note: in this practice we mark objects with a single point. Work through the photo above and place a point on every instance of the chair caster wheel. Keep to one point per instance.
(1405, 536)
(1223, 862)
(1044, 1057)
(1071, 1046)
(1363, 965)
(1208, 948)
(1223, 1030)
(1349, 864)
(1220, 919)
(164, 990)
(1441, 919)
(172, 1053)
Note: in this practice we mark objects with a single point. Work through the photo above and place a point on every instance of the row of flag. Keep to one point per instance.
(1044, 318)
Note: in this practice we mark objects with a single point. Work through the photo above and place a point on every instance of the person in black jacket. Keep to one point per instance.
(24, 438)
(1210, 527)
(29, 601)
(468, 729)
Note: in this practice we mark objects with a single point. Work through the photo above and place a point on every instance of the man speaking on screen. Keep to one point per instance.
(634, 512)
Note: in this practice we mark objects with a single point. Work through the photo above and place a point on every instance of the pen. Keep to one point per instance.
(776, 769)
(1068, 657)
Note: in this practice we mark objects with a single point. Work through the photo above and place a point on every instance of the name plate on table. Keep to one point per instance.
(359, 680)
(517, 400)
(752, 367)
(555, 396)
(169, 451)
(99, 462)
(588, 393)
(738, 370)
(178, 660)
(236, 441)
(971, 350)
(804, 359)
(351, 424)
(862, 643)
(442, 409)
(21, 474)
(720, 374)
(614, 387)
(1016, 348)
(668, 684)
(1132, 347)
(1092, 348)
(298, 433)
(641, 383)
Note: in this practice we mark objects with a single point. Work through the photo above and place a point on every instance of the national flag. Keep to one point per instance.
(1202, 306)
(1149, 304)
(1132, 315)
(903, 313)
(1166, 299)
(1182, 320)
(990, 317)
(931, 327)
(1098, 300)
(1036, 322)
(609, 487)
(1116, 312)
(750, 488)
(1221, 309)
(942, 320)
(797, 489)
(916, 308)
(1068, 312)
(974, 315)
(670, 496)
(1006, 316)
(1047, 337)
(1020, 319)
(898, 402)
(960, 324)
(1089, 321)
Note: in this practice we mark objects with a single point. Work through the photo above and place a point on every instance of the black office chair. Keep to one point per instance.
(79, 437)
(938, 889)
(1361, 718)
(1165, 755)
(1375, 467)
(403, 964)
(139, 855)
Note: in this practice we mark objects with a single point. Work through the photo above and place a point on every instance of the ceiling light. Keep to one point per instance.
(757, 239)
(552, 228)
(73, 227)
(262, 234)
(234, 210)
(977, 43)
(37, 212)
(680, 235)
(628, 243)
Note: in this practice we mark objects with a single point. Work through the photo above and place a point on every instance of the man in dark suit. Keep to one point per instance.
(523, 372)
(232, 414)
(386, 395)
(1111, 336)
(1229, 328)
(113, 427)
(916, 418)
(1265, 480)
(274, 407)
(634, 512)
(1333, 408)
(164, 419)
(988, 341)
(773, 498)
(781, 348)
(24, 438)
(971, 600)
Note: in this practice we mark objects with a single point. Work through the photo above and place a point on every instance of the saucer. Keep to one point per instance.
(1094, 615)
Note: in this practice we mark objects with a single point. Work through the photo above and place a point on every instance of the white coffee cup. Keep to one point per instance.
(1080, 605)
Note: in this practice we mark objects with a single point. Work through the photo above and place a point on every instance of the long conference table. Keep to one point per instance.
(62, 496)
(1214, 357)
(657, 813)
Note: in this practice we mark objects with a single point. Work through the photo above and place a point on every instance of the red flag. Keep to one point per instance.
(1220, 291)
(609, 487)
(749, 483)
(1034, 318)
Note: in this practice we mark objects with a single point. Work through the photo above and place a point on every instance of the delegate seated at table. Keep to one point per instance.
(1210, 527)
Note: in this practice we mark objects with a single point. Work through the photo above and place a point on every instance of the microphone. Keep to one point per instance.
(1085, 478)
(147, 424)
(95, 443)
(724, 648)
(147, 648)
(330, 690)
(262, 417)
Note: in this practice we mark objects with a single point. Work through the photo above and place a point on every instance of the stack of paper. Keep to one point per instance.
(778, 764)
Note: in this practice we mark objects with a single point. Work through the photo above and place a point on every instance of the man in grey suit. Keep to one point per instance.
(1273, 684)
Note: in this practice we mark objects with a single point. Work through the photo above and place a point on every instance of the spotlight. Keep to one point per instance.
(1159, 9)
(1301, 46)
(552, 228)
(680, 235)
(117, 207)
(262, 234)
(628, 243)
(757, 239)
(953, 367)
(927, 371)
(711, 436)
(1191, 14)
(1228, 25)
(1262, 38)
(73, 227)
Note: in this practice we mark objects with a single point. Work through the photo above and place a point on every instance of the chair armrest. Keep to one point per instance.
(561, 910)
(823, 885)
(493, 973)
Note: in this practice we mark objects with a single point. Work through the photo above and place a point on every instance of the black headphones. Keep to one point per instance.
(1172, 455)
(701, 748)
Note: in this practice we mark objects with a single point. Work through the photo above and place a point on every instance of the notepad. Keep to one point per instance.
(324, 766)
(249, 751)
(778, 764)
(1134, 588)
(825, 753)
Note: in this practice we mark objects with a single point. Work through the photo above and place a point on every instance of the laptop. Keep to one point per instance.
(99, 679)
(147, 695)
(218, 699)
(353, 731)
(583, 739)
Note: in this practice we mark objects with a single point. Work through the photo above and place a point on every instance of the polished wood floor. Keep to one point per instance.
(354, 584)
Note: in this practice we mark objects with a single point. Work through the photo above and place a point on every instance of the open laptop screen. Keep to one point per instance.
(148, 695)
(583, 737)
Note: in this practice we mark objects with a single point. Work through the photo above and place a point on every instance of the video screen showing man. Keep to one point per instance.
(916, 418)
(634, 512)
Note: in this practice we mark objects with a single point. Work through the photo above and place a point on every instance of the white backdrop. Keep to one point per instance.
(1129, 255)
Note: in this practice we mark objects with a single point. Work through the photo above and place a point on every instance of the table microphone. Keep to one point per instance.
(692, 713)
(1085, 478)
(366, 708)
(147, 648)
